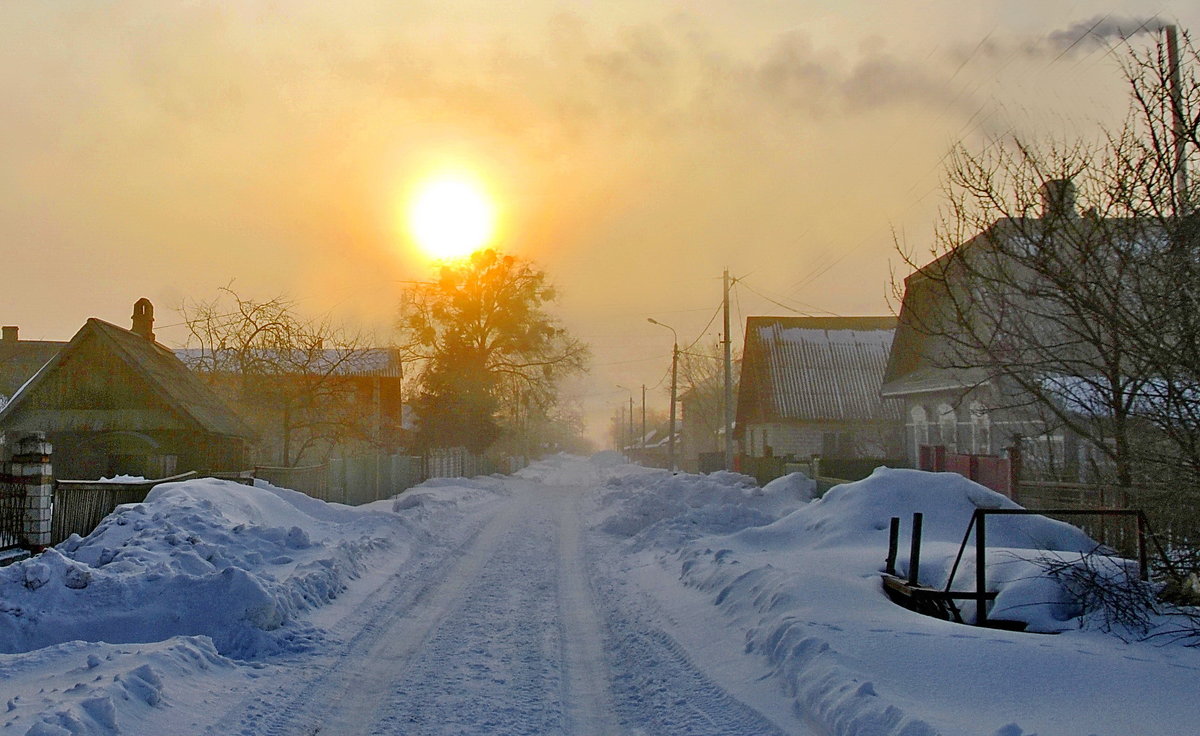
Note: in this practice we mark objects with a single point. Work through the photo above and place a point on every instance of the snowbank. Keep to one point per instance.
(804, 591)
(94, 688)
(200, 557)
(665, 509)
(155, 606)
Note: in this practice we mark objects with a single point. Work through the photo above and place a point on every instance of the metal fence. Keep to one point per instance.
(12, 508)
(1173, 514)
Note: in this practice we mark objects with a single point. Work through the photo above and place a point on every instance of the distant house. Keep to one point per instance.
(810, 386)
(113, 401)
(313, 404)
(20, 359)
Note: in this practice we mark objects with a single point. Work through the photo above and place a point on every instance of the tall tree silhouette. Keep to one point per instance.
(487, 347)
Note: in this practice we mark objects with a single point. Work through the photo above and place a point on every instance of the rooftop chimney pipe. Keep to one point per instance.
(143, 318)
(1058, 199)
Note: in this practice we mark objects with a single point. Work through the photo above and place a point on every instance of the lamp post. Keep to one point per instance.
(674, 379)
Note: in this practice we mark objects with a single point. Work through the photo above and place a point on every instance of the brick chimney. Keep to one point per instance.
(143, 318)
(1058, 199)
(9, 333)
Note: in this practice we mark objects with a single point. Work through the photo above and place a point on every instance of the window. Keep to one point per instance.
(948, 426)
(981, 429)
(920, 429)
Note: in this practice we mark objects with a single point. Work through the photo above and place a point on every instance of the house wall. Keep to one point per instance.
(351, 415)
(962, 422)
(827, 439)
(80, 455)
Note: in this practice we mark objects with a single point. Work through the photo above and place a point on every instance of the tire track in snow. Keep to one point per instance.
(392, 623)
(495, 665)
(589, 707)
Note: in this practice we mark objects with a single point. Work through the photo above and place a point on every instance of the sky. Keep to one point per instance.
(635, 149)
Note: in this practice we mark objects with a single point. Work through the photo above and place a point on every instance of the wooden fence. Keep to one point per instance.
(80, 505)
(1173, 514)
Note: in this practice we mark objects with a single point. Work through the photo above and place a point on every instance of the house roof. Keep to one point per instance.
(923, 358)
(181, 389)
(815, 369)
(378, 362)
(20, 359)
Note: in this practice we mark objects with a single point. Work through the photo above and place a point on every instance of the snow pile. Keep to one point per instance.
(805, 593)
(199, 557)
(665, 509)
(422, 501)
(858, 514)
(92, 688)
(563, 469)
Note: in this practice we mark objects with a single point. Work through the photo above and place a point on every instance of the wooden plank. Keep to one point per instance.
(903, 587)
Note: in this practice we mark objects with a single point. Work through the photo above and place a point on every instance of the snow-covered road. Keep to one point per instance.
(579, 596)
(512, 630)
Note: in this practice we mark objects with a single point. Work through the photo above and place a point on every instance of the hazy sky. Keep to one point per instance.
(636, 148)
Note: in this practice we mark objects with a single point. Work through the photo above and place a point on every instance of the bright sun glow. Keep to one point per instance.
(451, 216)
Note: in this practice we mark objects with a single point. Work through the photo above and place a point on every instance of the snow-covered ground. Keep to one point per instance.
(577, 597)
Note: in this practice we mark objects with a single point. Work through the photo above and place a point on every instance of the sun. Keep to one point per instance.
(451, 216)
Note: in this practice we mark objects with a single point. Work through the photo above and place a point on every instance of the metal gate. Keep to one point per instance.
(12, 509)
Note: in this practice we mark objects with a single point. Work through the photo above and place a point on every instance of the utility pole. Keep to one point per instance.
(674, 391)
(631, 419)
(674, 388)
(643, 416)
(728, 380)
(1181, 178)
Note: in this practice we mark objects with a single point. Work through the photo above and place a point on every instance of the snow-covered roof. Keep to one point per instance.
(382, 362)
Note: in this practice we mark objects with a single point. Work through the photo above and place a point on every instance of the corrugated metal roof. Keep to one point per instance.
(819, 368)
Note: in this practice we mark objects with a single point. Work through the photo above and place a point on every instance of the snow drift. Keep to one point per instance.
(200, 557)
(804, 590)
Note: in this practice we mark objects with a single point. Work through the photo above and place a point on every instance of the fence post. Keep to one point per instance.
(893, 543)
(980, 566)
(914, 550)
(31, 467)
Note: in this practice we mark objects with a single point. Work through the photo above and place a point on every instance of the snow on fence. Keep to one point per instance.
(80, 505)
(311, 480)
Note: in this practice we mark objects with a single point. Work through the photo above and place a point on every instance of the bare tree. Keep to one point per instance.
(702, 392)
(294, 379)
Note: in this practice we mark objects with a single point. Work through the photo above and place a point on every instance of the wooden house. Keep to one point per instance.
(810, 386)
(310, 405)
(113, 401)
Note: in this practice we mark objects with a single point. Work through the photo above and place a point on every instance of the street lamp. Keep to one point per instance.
(674, 377)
